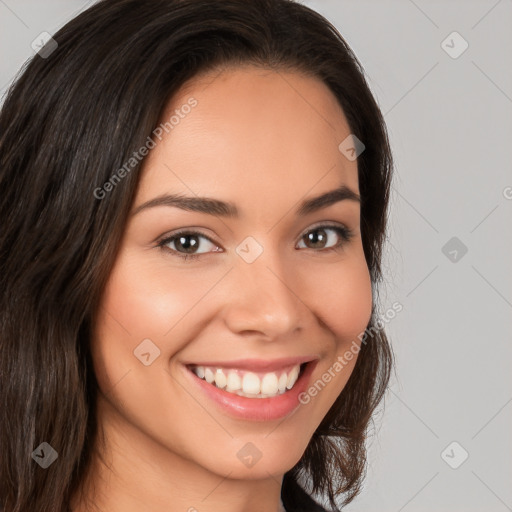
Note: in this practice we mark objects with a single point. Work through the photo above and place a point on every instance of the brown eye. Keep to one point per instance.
(186, 244)
(319, 237)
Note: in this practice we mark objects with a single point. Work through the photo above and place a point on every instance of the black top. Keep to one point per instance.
(295, 499)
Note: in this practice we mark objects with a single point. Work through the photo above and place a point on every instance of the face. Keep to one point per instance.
(217, 317)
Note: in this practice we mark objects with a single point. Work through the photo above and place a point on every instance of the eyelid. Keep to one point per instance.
(324, 224)
(162, 240)
(342, 230)
(168, 238)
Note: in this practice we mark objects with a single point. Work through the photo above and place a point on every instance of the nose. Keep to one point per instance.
(262, 301)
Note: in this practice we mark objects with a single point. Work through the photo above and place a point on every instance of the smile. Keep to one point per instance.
(250, 384)
(252, 389)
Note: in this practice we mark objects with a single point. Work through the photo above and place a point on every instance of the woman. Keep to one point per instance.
(194, 200)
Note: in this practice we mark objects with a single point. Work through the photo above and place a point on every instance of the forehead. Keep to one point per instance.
(269, 133)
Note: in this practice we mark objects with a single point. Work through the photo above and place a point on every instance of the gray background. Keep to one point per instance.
(450, 122)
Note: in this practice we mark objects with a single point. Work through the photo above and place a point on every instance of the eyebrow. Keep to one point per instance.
(216, 207)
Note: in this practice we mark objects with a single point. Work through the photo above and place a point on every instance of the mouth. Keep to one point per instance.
(250, 389)
(250, 384)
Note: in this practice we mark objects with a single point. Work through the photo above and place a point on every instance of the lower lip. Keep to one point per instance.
(258, 409)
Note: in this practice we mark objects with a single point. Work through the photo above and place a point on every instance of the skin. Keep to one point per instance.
(264, 140)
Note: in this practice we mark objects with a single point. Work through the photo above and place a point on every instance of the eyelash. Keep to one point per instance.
(345, 234)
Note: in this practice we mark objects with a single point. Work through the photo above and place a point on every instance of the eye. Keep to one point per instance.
(186, 243)
(319, 237)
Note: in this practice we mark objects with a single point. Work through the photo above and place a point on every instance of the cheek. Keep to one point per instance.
(345, 308)
(149, 301)
(345, 304)
(133, 308)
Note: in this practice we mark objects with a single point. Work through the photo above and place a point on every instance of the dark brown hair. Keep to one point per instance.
(68, 122)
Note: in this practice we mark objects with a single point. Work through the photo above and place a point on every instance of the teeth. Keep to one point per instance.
(281, 383)
(292, 377)
(249, 384)
(269, 384)
(208, 375)
(234, 382)
(220, 379)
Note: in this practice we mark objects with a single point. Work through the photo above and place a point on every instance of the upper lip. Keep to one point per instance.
(257, 365)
